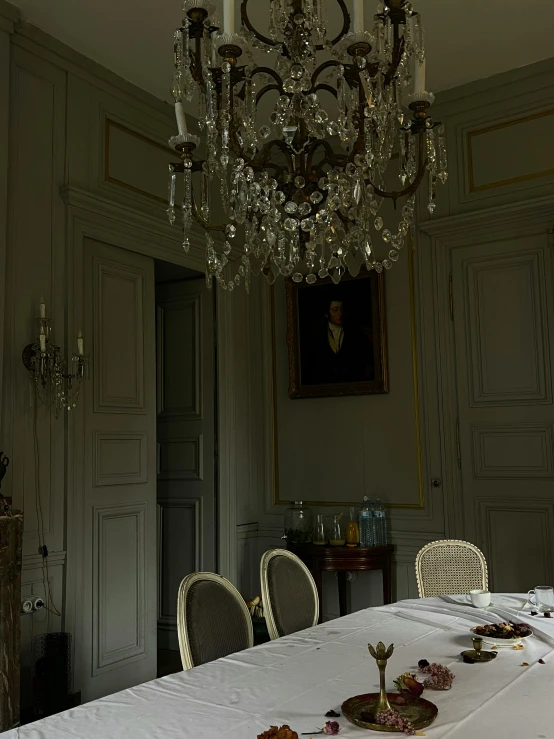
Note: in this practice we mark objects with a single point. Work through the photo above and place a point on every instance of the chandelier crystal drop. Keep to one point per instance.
(300, 193)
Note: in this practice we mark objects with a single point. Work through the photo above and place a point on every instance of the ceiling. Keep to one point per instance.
(466, 39)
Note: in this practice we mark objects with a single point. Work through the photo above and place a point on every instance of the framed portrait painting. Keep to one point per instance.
(336, 337)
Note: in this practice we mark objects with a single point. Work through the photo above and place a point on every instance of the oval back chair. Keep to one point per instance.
(450, 566)
(289, 593)
(212, 619)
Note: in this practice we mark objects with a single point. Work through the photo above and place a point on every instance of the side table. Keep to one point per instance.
(321, 559)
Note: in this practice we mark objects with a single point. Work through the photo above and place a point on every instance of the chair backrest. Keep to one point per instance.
(212, 619)
(450, 566)
(289, 593)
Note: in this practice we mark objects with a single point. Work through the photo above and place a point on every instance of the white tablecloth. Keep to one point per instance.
(295, 680)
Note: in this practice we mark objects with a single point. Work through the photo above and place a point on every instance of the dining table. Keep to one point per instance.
(297, 679)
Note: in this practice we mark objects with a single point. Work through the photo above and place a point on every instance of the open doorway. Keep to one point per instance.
(186, 438)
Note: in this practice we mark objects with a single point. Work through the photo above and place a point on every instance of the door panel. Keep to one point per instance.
(119, 648)
(502, 301)
(186, 439)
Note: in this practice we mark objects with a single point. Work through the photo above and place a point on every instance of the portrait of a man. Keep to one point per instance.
(336, 337)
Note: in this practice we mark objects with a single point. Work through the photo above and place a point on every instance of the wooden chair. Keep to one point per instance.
(212, 619)
(289, 593)
(450, 566)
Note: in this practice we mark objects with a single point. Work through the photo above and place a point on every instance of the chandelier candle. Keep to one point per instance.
(358, 15)
(229, 16)
(42, 308)
(419, 76)
(302, 184)
(181, 120)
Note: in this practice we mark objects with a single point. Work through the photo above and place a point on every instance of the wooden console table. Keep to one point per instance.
(321, 559)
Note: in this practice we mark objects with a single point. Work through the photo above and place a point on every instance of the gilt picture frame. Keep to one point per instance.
(336, 337)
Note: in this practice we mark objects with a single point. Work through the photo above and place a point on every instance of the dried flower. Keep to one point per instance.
(285, 732)
(332, 714)
(534, 613)
(422, 663)
(441, 677)
(408, 683)
(393, 718)
(331, 728)
(525, 664)
(548, 614)
(542, 662)
(518, 647)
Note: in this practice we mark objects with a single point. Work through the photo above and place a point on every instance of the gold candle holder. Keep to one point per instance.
(381, 656)
(362, 710)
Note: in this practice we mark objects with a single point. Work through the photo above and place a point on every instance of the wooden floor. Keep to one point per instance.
(169, 661)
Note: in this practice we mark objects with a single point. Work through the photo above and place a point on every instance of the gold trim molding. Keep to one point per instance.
(417, 420)
(511, 180)
(109, 123)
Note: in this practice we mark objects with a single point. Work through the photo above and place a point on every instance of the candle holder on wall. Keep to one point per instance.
(57, 384)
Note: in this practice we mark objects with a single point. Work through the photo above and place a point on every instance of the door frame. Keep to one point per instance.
(94, 217)
(437, 241)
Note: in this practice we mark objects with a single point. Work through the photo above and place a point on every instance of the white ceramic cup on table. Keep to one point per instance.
(542, 597)
(479, 598)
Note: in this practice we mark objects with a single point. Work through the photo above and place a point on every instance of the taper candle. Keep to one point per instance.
(181, 120)
(229, 16)
(80, 350)
(419, 76)
(42, 308)
(357, 15)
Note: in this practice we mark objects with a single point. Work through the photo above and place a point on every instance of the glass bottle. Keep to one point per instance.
(320, 536)
(366, 524)
(381, 533)
(299, 526)
(352, 530)
(337, 539)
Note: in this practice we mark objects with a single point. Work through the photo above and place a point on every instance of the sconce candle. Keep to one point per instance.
(80, 349)
(42, 308)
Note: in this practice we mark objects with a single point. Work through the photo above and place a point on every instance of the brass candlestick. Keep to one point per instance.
(381, 655)
(363, 710)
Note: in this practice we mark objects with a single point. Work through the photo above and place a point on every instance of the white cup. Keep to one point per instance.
(479, 598)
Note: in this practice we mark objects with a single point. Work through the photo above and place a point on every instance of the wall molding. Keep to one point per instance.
(439, 239)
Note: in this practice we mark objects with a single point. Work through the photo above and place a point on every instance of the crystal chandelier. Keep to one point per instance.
(300, 195)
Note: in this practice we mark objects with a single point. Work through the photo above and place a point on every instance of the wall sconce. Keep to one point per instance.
(57, 385)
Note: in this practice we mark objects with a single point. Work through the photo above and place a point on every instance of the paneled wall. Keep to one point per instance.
(483, 472)
(88, 161)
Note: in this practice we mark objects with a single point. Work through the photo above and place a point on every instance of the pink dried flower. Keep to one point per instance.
(393, 718)
(441, 677)
(331, 727)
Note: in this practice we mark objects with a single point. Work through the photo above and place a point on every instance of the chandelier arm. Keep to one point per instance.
(270, 72)
(265, 90)
(248, 24)
(345, 26)
(206, 225)
(328, 88)
(412, 187)
(396, 56)
(323, 144)
(262, 159)
(322, 67)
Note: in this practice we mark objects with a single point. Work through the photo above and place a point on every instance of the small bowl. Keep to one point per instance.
(498, 642)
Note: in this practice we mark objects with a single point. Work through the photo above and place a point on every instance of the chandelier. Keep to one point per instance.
(301, 194)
